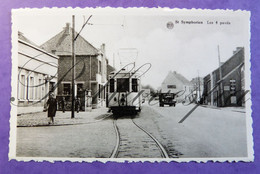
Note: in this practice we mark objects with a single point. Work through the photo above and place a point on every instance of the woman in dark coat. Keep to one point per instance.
(52, 107)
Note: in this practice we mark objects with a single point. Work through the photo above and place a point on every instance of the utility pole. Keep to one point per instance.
(199, 84)
(221, 94)
(73, 69)
(73, 57)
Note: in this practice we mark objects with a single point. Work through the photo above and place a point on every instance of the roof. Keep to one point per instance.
(23, 38)
(62, 44)
(238, 50)
(173, 75)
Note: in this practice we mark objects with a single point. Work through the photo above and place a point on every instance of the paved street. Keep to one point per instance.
(207, 132)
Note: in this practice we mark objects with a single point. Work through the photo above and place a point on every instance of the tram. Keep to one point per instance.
(124, 92)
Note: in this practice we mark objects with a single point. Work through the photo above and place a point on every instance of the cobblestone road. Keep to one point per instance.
(135, 143)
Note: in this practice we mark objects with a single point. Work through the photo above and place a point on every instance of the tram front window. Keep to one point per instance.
(123, 85)
(134, 85)
(112, 85)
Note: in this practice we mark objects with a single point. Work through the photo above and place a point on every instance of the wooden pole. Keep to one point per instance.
(73, 69)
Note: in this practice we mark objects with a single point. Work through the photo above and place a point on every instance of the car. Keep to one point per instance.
(167, 99)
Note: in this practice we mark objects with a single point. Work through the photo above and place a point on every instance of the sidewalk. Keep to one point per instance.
(41, 119)
(231, 108)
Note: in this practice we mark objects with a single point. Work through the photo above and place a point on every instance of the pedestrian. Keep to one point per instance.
(52, 107)
(62, 103)
(77, 105)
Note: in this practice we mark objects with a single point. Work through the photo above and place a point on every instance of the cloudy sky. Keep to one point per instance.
(189, 49)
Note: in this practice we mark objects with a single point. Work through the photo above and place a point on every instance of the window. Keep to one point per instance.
(80, 91)
(123, 85)
(112, 85)
(134, 85)
(99, 67)
(66, 89)
(39, 89)
(51, 87)
(171, 86)
(22, 87)
(31, 87)
(36, 91)
(99, 91)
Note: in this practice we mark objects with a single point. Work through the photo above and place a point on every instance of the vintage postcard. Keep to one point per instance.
(135, 84)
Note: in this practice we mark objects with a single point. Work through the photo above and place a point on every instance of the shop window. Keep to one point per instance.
(66, 89)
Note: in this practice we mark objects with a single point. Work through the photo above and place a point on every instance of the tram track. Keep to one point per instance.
(133, 141)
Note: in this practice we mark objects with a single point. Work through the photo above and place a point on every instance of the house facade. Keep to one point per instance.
(37, 76)
(230, 89)
(90, 67)
(197, 87)
(178, 84)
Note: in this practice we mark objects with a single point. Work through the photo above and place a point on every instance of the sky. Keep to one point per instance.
(142, 36)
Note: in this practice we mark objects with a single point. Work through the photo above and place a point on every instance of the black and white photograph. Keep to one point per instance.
(132, 84)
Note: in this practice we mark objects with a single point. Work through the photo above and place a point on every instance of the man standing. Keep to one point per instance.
(77, 104)
(52, 107)
(62, 103)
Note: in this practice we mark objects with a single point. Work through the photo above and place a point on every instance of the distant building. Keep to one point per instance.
(197, 87)
(91, 69)
(232, 84)
(177, 83)
(37, 75)
(146, 94)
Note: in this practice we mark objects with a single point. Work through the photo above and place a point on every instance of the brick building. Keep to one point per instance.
(230, 90)
(37, 76)
(91, 66)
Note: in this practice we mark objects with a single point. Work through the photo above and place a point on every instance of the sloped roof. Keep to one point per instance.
(62, 44)
(23, 38)
(174, 75)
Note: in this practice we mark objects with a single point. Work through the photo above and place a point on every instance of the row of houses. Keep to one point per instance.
(225, 86)
(48, 68)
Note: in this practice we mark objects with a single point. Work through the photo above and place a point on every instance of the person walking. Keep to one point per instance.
(62, 103)
(52, 107)
(77, 105)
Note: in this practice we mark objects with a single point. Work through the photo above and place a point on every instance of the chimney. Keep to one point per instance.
(103, 49)
(67, 29)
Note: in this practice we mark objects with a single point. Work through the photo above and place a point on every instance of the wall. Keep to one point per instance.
(36, 70)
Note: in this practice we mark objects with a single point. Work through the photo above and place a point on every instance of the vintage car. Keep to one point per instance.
(167, 99)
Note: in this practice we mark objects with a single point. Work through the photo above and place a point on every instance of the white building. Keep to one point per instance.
(37, 76)
(178, 84)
